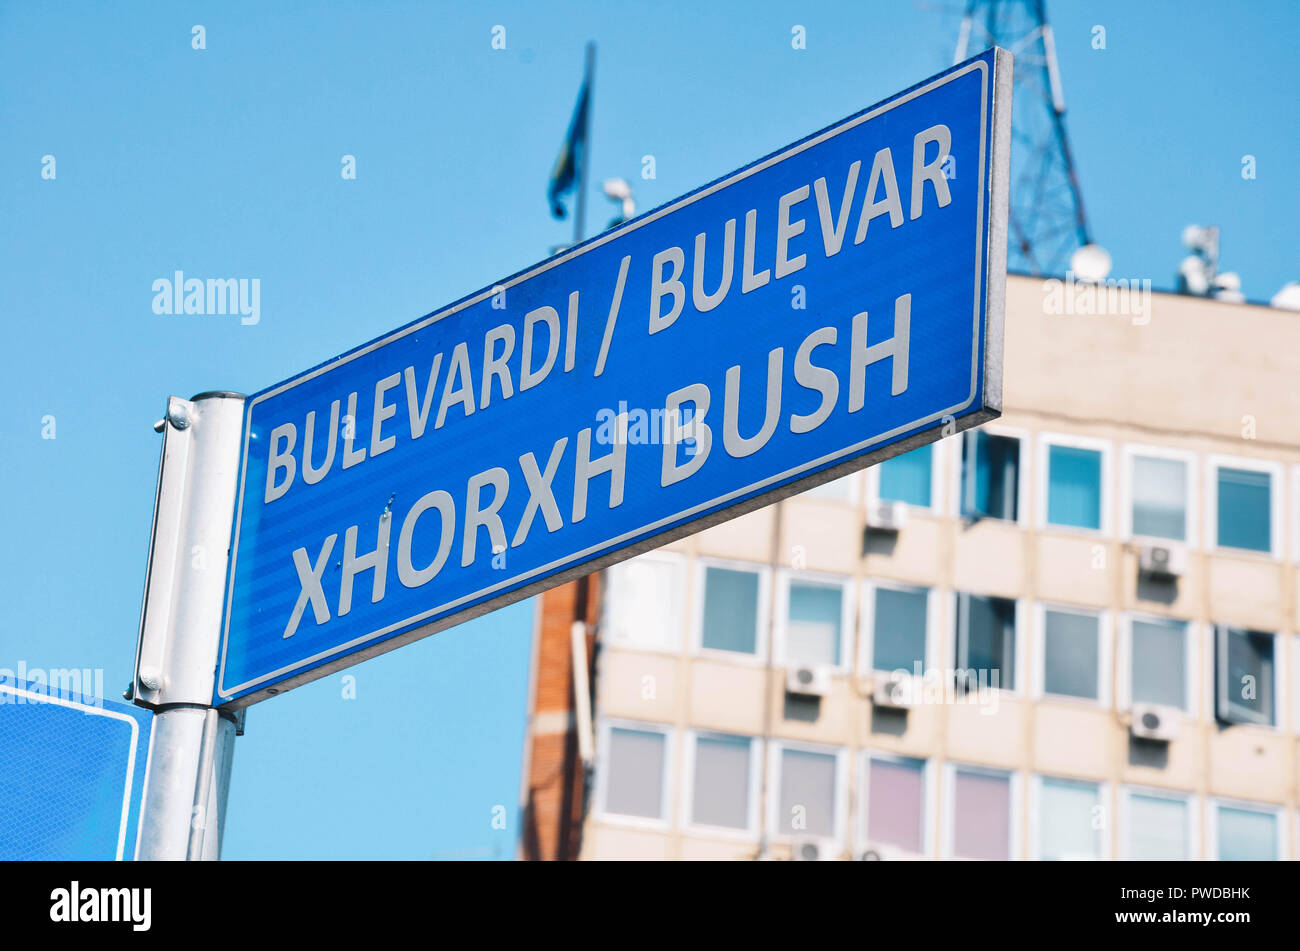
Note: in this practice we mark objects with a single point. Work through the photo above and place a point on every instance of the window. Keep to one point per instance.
(1159, 497)
(731, 610)
(814, 622)
(723, 786)
(898, 628)
(1074, 486)
(1243, 508)
(895, 808)
(635, 772)
(808, 786)
(1069, 819)
(1157, 826)
(1072, 661)
(1158, 662)
(1244, 833)
(645, 602)
(841, 489)
(907, 478)
(990, 467)
(1246, 676)
(986, 640)
(981, 814)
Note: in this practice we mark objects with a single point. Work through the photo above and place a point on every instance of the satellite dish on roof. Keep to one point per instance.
(1091, 263)
(1194, 275)
(1288, 298)
(1198, 238)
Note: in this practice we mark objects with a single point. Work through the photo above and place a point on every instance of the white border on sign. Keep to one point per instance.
(982, 292)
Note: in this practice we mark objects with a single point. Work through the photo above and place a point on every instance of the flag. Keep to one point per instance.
(565, 174)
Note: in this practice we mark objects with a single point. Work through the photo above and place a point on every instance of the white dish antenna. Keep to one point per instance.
(1091, 263)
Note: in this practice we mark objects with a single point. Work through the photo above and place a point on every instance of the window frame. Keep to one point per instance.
(1294, 706)
(1191, 523)
(957, 480)
(1105, 640)
(839, 818)
(1106, 502)
(1280, 688)
(1104, 800)
(1194, 808)
(1019, 651)
(867, 623)
(938, 450)
(763, 619)
(785, 577)
(677, 562)
(1015, 805)
(604, 732)
(690, 741)
(1245, 805)
(929, 801)
(1213, 464)
(1295, 514)
(1124, 661)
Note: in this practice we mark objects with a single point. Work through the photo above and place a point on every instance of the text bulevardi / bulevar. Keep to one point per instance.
(290, 458)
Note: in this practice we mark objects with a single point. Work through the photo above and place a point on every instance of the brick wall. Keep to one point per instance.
(555, 800)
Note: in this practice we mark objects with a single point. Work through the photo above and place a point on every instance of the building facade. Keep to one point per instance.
(1071, 634)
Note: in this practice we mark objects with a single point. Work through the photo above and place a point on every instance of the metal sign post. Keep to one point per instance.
(189, 767)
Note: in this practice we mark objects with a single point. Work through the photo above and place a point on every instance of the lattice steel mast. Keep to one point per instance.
(1047, 222)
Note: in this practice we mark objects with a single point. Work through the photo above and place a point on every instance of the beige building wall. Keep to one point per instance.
(1204, 381)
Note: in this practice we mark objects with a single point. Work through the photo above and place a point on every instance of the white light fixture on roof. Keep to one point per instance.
(617, 189)
(1091, 264)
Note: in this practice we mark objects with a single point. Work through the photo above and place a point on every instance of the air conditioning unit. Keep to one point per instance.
(813, 850)
(808, 680)
(1150, 721)
(887, 516)
(891, 691)
(874, 852)
(1162, 561)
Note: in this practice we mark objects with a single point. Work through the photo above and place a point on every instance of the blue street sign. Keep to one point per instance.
(72, 771)
(822, 309)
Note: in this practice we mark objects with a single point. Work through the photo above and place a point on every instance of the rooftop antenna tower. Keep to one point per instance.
(1048, 230)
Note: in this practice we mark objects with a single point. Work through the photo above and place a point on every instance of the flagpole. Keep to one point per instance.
(580, 209)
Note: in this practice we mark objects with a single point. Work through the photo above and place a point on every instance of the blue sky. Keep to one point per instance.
(225, 162)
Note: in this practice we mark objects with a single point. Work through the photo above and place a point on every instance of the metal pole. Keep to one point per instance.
(764, 792)
(581, 692)
(180, 629)
(580, 206)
